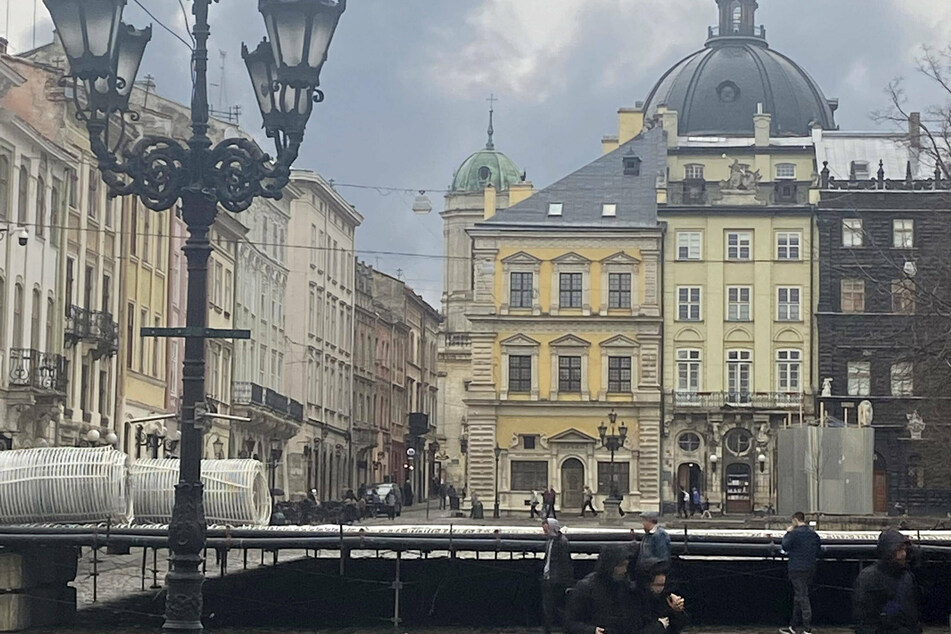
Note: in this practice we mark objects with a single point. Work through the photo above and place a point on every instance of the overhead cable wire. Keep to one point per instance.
(164, 26)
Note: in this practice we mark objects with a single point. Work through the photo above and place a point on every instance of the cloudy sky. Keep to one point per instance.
(407, 82)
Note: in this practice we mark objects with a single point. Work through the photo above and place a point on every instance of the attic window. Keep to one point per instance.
(632, 166)
(554, 209)
(609, 210)
(859, 171)
(484, 174)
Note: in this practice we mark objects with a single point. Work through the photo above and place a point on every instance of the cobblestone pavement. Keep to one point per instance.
(724, 630)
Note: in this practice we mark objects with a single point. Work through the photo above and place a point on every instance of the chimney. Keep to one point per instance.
(630, 123)
(3, 45)
(669, 122)
(489, 201)
(761, 125)
(914, 130)
(519, 192)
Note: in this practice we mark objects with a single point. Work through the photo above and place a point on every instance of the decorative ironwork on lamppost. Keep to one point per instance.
(613, 442)
(154, 439)
(495, 507)
(104, 55)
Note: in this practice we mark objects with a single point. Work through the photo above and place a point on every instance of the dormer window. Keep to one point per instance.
(484, 174)
(632, 165)
(555, 209)
(693, 172)
(609, 210)
(859, 171)
(786, 171)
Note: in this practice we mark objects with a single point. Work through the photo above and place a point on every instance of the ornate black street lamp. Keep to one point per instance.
(104, 56)
(613, 442)
(155, 439)
(495, 507)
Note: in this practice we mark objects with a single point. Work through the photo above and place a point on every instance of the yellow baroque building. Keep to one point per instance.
(565, 325)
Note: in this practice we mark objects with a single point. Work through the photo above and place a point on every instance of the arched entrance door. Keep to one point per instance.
(572, 484)
(880, 485)
(739, 488)
(689, 475)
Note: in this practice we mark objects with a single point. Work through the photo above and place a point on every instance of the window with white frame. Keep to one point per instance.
(619, 374)
(688, 371)
(619, 290)
(739, 371)
(903, 379)
(788, 304)
(520, 373)
(786, 171)
(859, 378)
(739, 245)
(903, 233)
(852, 232)
(570, 290)
(555, 209)
(788, 245)
(789, 370)
(694, 171)
(688, 303)
(688, 245)
(738, 303)
(609, 210)
(903, 296)
(569, 374)
(521, 290)
(852, 295)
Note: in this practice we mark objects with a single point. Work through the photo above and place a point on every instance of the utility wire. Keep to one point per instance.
(164, 26)
(185, 18)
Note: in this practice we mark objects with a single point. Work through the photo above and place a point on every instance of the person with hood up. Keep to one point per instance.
(663, 612)
(557, 574)
(885, 598)
(605, 602)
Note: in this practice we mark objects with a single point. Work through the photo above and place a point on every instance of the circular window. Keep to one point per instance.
(728, 92)
(739, 441)
(484, 173)
(689, 441)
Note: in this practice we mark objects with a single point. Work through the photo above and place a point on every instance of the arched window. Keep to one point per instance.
(40, 207)
(739, 441)
(22, 189)
(4, 185)
(35, 309)
(736, 12)
(18, 316)
(689, 441)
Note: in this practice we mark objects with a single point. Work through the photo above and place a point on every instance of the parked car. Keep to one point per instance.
(383, 490)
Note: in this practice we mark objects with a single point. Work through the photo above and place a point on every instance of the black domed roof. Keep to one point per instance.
(716, 91)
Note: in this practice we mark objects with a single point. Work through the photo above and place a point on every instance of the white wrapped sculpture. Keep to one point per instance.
(236, 491)
(64, 485)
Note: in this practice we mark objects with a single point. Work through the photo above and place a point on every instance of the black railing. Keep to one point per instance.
(94, 326)
(77, 324)
(764, 400)
(246, 393)
(37, 370)
(909, 183)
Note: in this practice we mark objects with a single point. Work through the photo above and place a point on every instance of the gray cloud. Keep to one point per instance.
(406, 83)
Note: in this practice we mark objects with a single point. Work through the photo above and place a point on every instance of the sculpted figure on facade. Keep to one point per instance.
(742, 178)
(916, 426)
(865, 413)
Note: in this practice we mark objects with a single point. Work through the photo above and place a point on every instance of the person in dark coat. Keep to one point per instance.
(407, 494)
(662, 611)
(443, 495)
(550, 497)
(695, 501)
(558, 574)
(802, 546)
(683, 500)
(885, 598)
(605, 602)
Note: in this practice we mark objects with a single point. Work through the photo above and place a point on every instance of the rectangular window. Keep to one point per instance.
(609, 210)
(73, 178)
(852, 232)
(143, 320)
(786, 171)
(619, 375)
(555, 209)
(903, 234)
(859, 378)
(688, 245)
(521, 290)
(738, 303)
(853, 295)
(156, 357)
(788, 370)
(228, 293)
(788, 304)
(529, 475)
(903, 381)
(570, 290)
(110, 210)
(688, 371)
(788, 245)
(739, 367)
(520, 373)
(134, 229)
(529, 441)
(129, 336)
(739, 245)
(903, 297)
(614, 477)
(219, 273)
(858, 171)
(92, 199)
(619, 290)
(262, 363)
(693, 172)
(688, 303)
(569, 374)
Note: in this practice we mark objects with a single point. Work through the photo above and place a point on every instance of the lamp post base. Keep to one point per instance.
(496, 513)
(612, 511)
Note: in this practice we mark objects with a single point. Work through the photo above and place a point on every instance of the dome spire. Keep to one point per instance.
(490, 145)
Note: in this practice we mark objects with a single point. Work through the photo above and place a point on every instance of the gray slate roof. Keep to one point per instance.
(583, 192)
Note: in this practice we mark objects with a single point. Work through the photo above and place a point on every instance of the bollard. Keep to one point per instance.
(397, 586)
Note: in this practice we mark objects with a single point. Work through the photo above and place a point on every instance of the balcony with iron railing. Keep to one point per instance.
(752, 400)
(40, 371)
(92, 326)
(247, 393)
(758, 32)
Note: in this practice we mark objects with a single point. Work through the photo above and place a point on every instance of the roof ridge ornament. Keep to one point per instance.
(490, 145)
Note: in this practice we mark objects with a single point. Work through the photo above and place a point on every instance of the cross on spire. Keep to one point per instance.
(492, 99)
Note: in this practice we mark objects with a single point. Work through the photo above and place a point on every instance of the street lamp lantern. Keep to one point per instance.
(761, 459)
(613, 442)
(277, 450)
(88, 30)
(218, 447)
(300, 33)
(602, 431)
(713, 461)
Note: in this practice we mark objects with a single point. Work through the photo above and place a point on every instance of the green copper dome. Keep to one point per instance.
(486, 166)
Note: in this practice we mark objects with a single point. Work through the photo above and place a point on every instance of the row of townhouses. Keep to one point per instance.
(340, 366)
(732, 265)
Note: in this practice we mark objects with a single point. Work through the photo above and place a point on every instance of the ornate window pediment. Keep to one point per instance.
(620, 341)
(526, 268)
(521, 258)
(625, 353)
(572, 436)
(571, 258)
(519, 340)
(620, 258)
(569, 341)
(569, 346)
(571, 294)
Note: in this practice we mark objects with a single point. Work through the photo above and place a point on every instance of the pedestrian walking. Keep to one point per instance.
(390, 501)
(802, 546)
(407, 494)
(443, 495)
(683, 499)
(477, 512)
(885, 598)
(533, 503)
(663, 612)
(550, 497)
(655, 545)
(557, 575)
(588, 501)
(695, 501)
(604, 602)
(453, 498)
